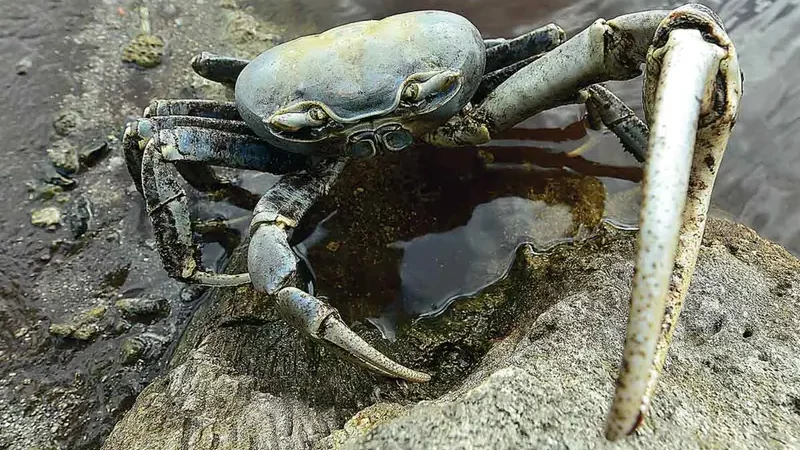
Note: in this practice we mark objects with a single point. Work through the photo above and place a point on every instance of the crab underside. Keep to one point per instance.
(691, 94)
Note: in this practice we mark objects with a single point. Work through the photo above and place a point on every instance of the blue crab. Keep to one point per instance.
(304, 108)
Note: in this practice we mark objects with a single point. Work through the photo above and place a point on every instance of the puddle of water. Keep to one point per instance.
(404, 235)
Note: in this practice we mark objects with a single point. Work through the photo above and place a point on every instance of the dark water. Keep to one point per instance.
(758, 183)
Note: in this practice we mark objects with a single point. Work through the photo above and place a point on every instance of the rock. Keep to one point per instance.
(528, 363)
(364, 421)
(65, 123)
(146, 346)
(23, 65)
(145, 50)
(49, 175)
(83, 327)
(64, 158)
(91, 153)
(732, 379)
(49, 217)
(42, 191)
(86, 332)
(79, 216)
(142, 309)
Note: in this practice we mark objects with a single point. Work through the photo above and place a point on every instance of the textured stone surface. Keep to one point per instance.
(240, 380)
(732, 379)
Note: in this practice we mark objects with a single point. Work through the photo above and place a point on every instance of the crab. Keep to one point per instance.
(306, 107)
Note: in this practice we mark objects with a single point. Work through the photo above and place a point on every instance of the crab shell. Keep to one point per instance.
(356, 74)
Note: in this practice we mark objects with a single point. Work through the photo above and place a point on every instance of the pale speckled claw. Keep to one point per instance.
(692, 93)
(322, 322)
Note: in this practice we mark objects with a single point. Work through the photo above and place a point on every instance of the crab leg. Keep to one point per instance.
(606, 50)
(159, 150)
(605, 107)
(222, 69)
(273, 268)
(698, 76)
(505, 52)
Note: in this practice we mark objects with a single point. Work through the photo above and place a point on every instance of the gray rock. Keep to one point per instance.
(142, 309)
(241, 379)
(49, 217)
(732, 379)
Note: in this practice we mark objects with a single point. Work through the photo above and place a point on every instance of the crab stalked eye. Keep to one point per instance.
(419, 90)
(317, 114)
(411, 92)
(294, 121)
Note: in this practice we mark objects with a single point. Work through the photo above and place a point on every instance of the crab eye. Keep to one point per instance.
(411, 92)
(294, 121)
(317, 114)
(436, 84)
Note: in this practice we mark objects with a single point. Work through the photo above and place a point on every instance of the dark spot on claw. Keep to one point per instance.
(710, 161)
(748, 332)
(637, 424)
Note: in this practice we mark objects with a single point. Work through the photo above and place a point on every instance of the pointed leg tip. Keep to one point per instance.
(616, 428)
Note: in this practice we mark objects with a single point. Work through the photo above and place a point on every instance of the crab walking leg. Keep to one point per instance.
(505, 52)
(605, 107)
(195, 142)
(606, 50)
(273, 267)
(195, 108)
(698, 76)
(222, 69)
(159, 175)
(168, 209)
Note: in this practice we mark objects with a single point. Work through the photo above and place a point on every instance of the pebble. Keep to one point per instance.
(49, 217)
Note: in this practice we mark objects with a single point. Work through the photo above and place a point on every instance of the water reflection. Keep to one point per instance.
(404, 235)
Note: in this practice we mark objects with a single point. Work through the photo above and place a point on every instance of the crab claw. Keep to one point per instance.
(322, 322)
(692, 92)
(272, 265)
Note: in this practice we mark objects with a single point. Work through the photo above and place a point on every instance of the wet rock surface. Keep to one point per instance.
(550, 338)
(732, 378)
(76, 238)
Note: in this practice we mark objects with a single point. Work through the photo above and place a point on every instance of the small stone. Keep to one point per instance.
(62, 330)
(91, 153)
(23, 65)
(142, 309)
(48, 174)
(131, 350)
(79, 215)
(145, 50)
(64, 158)
(86, 332)
(65, 122)
(20, 332)
(49, 217)
(192, 292)
(93, 315)
(42, 191)
(332, 246)
(146, 346)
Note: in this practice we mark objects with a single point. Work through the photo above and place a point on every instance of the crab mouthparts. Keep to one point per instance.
(392, 137)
